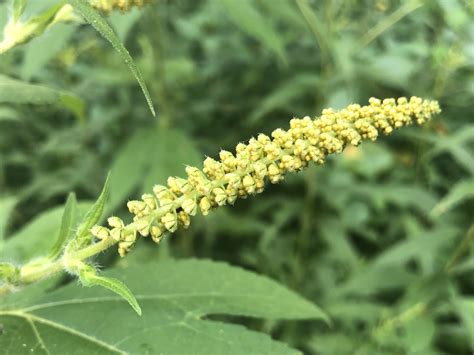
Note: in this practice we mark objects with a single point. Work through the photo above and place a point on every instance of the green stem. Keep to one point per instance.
(32, 273)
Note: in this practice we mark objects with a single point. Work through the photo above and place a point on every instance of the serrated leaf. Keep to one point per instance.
(99, 23)
(17, 92)
(35, 239)
(176, 297)
(90, 279)
(68, 221)
(245, 15)
(92, 217)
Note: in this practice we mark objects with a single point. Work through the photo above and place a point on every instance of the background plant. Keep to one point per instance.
(218, 72)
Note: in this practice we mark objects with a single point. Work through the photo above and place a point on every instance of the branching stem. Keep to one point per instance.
(41, 270)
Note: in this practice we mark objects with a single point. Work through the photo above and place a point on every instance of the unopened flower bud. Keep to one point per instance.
(100, 232)
(170, 222)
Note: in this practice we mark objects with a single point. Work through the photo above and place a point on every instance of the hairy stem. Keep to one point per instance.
(34, 272)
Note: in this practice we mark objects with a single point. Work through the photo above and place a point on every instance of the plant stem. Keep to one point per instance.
(31, 273)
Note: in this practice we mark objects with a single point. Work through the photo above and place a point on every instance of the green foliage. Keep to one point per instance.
(16, 92)
(380, 237)
(68, 224)
(82, 236)
(177, 299)
(98, 22)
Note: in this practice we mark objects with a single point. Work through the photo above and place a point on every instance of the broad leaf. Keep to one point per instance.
(98, 22)
(175, 296)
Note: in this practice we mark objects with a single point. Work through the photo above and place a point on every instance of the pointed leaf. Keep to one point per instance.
(92, 216)
(90, 279)
(35, 239)
(67, 224)
(18, 8)
(460, 192)
(245, 15)
(17, 92)
(99, 23)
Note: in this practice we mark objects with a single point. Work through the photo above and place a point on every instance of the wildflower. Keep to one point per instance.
(244, 173)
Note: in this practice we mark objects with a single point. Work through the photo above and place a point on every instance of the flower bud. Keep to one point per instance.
(189, 206)
(143, 227)
(156, 233)
(205, 205)
(184, 219)
(100, 232)
(115, 222)
(170, 221)
(219, 196)
(166, 204)
(249, 184)
(161, 192)
(149, 200)
(136, 207)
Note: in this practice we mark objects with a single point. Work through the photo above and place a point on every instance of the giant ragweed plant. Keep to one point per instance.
(220, 182)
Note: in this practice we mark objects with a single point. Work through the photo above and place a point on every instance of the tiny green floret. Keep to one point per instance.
(245, 172)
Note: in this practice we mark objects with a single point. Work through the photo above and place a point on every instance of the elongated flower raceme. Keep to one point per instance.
(263, 158)
(122, 5)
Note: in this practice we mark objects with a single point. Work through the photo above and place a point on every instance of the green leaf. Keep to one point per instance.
(67, 224)
(18, 8)
(284, 95)
(316, 26)
(36, 238)
(460, 192)
(163, 162)
(176, 298)
(6, 207)
(245, 15)
(90, 279)
(17, 92)
(98, 22)
(83, 236)
(465, 308)
(39, 53)
(131, 163)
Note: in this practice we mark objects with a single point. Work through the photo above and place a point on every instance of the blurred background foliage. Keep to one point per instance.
(380, 237)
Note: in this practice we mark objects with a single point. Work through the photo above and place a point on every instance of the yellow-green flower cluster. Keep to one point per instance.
(244, 173)
(122, 5)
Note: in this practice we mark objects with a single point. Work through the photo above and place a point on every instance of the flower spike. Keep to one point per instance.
(244, 173)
